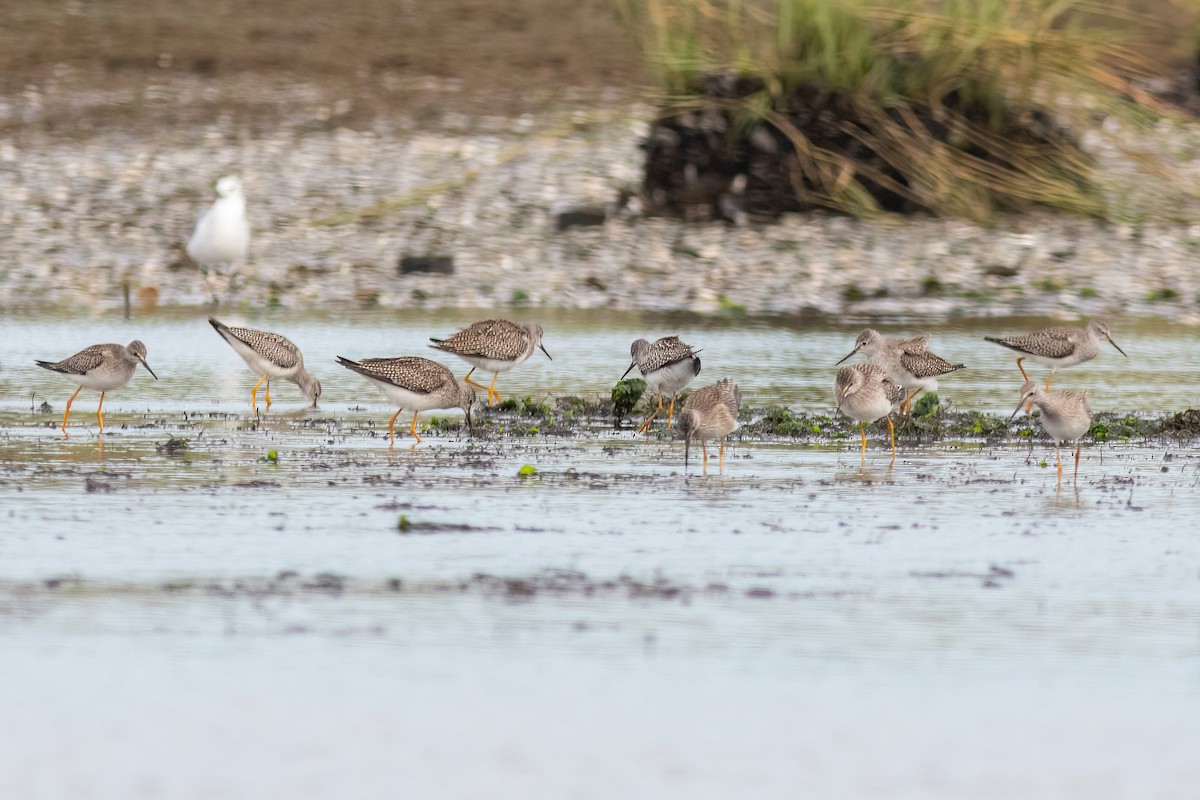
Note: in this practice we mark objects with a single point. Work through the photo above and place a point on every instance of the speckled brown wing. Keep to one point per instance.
(893, 391)
(413, 373)
(1049, 342)
(665, 352)
(274, 348)
(81, 363)
(496, 339)
(925, 364)
(731, 396)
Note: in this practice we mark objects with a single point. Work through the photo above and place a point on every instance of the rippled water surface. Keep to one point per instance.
(216, 622)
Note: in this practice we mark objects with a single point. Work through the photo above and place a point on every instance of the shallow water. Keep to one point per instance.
(774, 361)
(216, 623)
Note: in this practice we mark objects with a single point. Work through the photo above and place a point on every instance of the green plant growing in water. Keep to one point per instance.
(625, 395)
(1099, 432)
(927, 405)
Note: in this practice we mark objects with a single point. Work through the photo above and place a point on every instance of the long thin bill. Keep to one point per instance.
(852, 352)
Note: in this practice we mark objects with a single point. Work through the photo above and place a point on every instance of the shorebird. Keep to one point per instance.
(271, 356)
(865, 393)
(495, 346)
(102, 368)
(1065, 416)
(710, 413)
(415, 384)
(222, 234)
(908, 362)
(668, 365)
(1060, 346)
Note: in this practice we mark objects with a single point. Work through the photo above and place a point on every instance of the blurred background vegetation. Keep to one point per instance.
(952, 107)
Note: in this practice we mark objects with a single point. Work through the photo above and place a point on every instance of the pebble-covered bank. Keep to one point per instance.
(526, 211)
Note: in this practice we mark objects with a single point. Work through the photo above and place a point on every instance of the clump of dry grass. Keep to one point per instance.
(957, 107)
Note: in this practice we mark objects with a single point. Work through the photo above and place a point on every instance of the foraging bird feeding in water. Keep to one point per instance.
(102, 368)
(495, 346)
(668, 366)
(414, 384)
(908, 362)
(710, 413)
(865, 393)
(1065, 416)
(270, 356)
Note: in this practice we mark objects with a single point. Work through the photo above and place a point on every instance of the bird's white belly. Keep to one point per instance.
(405, 399)
(490, 365)
(103, 381)
(1058, 363)
(1064, 429)
(866, 410)
(672, 378)
(909, 381)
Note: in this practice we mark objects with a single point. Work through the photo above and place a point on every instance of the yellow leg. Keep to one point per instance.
(467, 380)
(906, 406)
(1077, 446)
(646, 425)
(704, 452)
(1058, 458)
(254, 395)
(1049, 378)
(492, 393)
(268, 393)
(863, 430)
(413, 428)
(892, 437)
(1024, 376)
(67, 413)
(100, 412)
(721, 461)
(670, 412)
(392, 429)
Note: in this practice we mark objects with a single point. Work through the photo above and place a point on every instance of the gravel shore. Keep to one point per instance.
(335, 209)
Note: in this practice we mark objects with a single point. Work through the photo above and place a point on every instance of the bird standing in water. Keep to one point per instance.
(710, 413)
(102, 368)
(668, 366)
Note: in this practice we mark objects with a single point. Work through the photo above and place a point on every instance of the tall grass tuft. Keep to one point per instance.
(954, 107)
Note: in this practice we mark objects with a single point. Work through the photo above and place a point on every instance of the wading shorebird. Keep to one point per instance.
(495, 346)
(270, 356)
(222, 234)
(865, 393)
(908, 362)
(1060, 346)
(414, 384)
(668, 366)
(710, 413)
(102, 368)
(1065, 416)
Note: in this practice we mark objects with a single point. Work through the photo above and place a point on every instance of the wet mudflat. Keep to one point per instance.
(288, 608)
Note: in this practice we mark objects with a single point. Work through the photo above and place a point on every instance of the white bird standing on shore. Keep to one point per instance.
(222, 234)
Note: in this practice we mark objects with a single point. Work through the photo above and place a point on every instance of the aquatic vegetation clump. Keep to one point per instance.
(625, 396)
(914, 106)
(927, 405)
